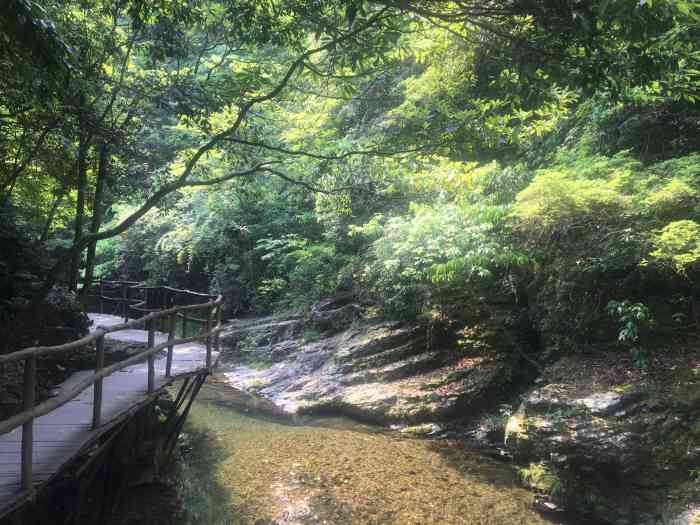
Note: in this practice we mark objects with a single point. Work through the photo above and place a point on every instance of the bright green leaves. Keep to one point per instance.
(672, 197)
(302, 271)
(584, 191)
(557, 198)
(678, 245)
(494, 171)
(438, 246)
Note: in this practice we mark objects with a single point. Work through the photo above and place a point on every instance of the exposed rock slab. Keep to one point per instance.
(379, 371)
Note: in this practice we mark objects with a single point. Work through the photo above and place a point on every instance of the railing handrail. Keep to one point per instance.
(99, 332)
(56, 402)
(140, 285)
(29, 355)
(115, 281)
(175, 290)
(149, 298)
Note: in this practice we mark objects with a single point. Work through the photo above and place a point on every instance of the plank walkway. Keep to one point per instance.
(62, 434)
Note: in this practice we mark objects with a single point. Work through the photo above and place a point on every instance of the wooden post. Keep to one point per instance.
(125, 300)
(171, 336)
(102, 294)
(170, 304)
(97, 387)
(164, 321)
(28, 427)
(184, 324)
(208, 338)
(151, 358)
(217, 336)
(181, 395)
(159, 301)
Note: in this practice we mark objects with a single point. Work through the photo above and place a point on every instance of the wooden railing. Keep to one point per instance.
(130, 299)
(209, 335)
(115, 297)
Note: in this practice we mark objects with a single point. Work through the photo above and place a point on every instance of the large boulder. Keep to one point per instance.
(335, 314)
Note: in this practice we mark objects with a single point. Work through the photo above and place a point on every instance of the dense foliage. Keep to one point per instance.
(432, 158)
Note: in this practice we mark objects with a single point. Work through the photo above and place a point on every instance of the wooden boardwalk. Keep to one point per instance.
(62, 434)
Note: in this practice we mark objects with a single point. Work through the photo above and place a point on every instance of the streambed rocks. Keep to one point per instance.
(374, 370)
(606, 439)
(593, 433)
(261, 470)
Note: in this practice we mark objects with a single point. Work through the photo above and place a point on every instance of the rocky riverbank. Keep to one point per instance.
(373, 370)
(597, 435)
(243, 467)
(592, 433)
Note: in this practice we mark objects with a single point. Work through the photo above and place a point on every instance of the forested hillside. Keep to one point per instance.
(427, 157)
(532, 164)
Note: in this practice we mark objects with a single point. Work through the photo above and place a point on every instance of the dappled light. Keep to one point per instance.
(458, 242)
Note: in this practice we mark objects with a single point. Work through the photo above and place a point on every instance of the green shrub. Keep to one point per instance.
(302, 271)
(539, 477)
(556, 198)
(633, 319)
(678, 245)
(674, 196)
(438, 249)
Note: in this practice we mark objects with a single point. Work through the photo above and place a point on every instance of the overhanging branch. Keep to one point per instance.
(320, 156)
(182, 181)
(281, 85)
(159, 194)
(306, 185)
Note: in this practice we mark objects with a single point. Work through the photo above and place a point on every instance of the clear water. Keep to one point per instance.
(244, 469)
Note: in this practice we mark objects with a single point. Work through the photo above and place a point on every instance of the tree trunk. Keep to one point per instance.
(97, 212)
(81, 168)
(52, 213)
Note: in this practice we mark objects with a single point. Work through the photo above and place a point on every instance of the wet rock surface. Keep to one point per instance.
(378, 371)
(617, 446)
(592, 434)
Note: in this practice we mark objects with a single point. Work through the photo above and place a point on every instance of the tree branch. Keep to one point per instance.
(347, 99)
(182, 181)
(17, 171)
(306, 185)
(319, 156)
(247, 106)
(120, 82)
(159, 194)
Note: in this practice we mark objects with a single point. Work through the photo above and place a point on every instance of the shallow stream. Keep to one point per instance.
(244, 468)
